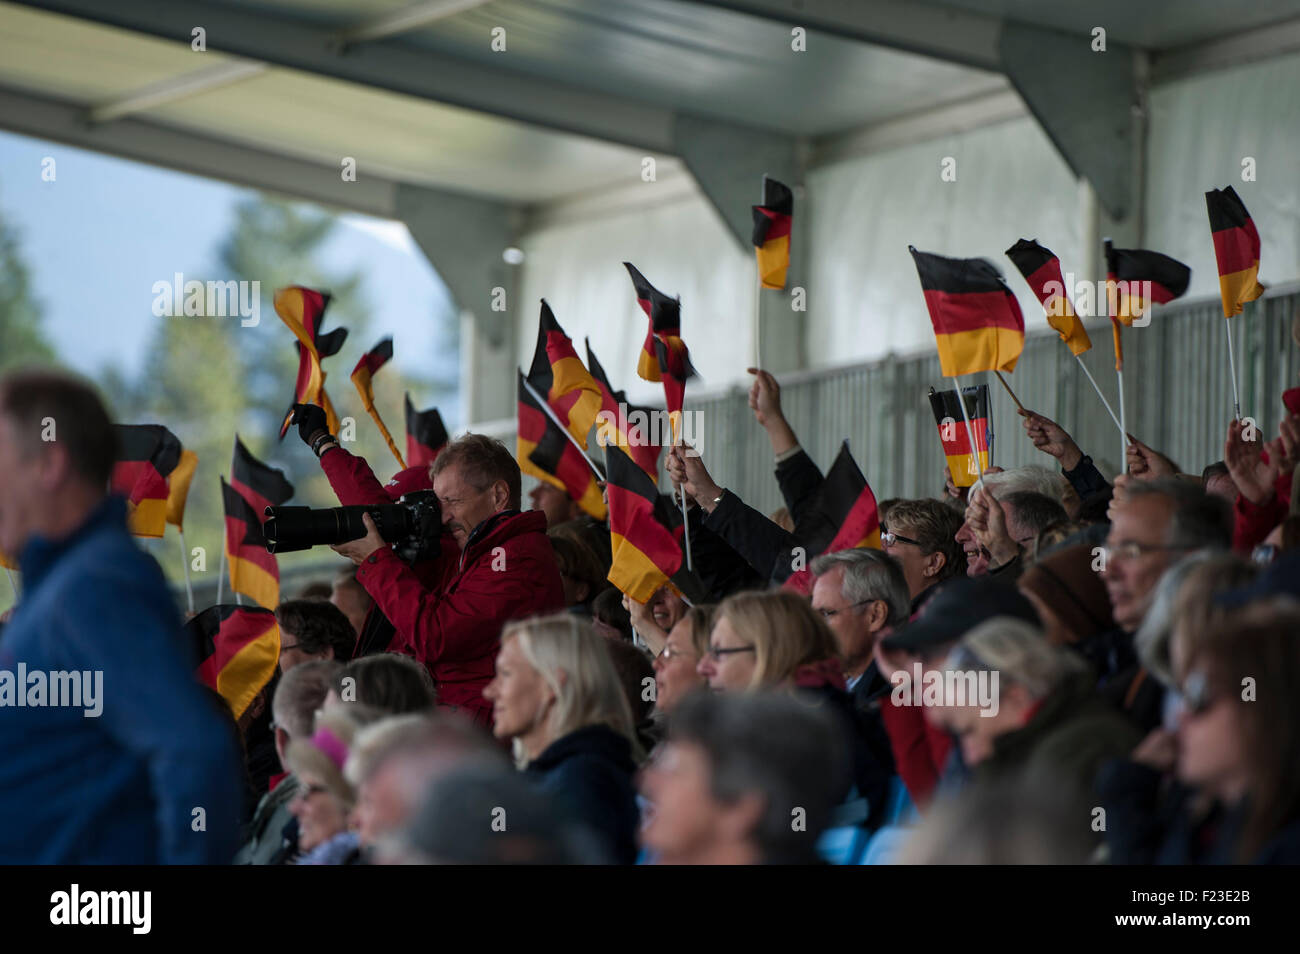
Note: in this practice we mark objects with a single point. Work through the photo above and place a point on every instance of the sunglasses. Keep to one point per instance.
(889, 538)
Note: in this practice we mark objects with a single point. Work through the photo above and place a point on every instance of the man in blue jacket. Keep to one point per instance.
(110, 750)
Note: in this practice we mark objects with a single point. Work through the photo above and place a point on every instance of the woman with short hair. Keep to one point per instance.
(325, 798)
(558, 698)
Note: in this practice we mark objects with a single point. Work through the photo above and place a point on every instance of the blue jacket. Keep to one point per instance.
(123, 786)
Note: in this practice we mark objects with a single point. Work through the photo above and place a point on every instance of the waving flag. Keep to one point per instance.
(178, 487)
(363, 378)
(238, 648)
(843, 516)
(616, 424)
(643, 533)
(663, 356)
(146, 456)
(558, 375)
(1236, 249)
(953, 435)
(303, 312)
(977, 321)
(253, 487)
(543, 451)
(771, 235)
(1135, 279)
(1042, 270)
(426, 435)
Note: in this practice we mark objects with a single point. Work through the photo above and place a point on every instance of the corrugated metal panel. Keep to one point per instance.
(1177, 391)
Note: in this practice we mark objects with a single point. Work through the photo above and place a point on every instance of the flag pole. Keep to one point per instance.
(185, 563)
(12, 585)
(1232, 368)
(686, 521)
(1123, 423)
(550, 412)
(1009, 391)
(1104, 402)
(758, 318)
(970, 432)
(221, 569)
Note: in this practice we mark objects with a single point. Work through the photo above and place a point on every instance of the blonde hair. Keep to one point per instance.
(1019, 651)
(571, 658)
(785, 630)
(343, 722)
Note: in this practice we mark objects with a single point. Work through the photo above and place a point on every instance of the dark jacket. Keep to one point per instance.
(1066, 741)
(1148, 822)
(448, 613)
(1086, 479)
(590, 773)
(119, 787)
(265, 836)
(764, 545)
(800, 480)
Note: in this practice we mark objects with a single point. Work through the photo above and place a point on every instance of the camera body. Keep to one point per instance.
(413, 525)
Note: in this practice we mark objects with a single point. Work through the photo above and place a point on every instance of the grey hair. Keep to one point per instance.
(1197, 520)
(1151, 641)
(301, 692)
(1030, 478)
(869, 575)
(1018, 652)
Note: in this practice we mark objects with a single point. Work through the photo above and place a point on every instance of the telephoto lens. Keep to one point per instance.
(300, 528)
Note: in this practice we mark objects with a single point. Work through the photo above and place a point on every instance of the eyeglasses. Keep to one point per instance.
(668, 653)
(717, 654)
(1197, 695)
(1131, 550)
(889, 538)
(307, 791)
(829, 614)
(283, 647)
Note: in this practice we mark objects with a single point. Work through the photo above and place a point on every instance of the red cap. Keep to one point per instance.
(409, 480)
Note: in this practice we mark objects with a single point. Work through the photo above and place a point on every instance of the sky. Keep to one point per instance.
(97, 238)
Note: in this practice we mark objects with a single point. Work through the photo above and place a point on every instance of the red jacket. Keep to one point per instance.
(449, 614)
(920, 749)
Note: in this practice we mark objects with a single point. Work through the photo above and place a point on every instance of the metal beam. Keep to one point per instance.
(491, 88)
(414, 17)
(177, 87)
(1239, 49)
(915, 26)
(1084, 101)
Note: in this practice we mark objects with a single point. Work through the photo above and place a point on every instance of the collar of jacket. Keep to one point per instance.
(1060, 705)
(501, 526)
(872, 685)
(599, 740)
(41, 553)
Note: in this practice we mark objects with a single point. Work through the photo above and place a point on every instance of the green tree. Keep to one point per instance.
(21, 338)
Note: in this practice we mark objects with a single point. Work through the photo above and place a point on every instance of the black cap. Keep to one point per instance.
(1279, 578)
(956, 608)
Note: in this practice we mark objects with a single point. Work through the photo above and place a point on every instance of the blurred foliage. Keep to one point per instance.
(21, 339)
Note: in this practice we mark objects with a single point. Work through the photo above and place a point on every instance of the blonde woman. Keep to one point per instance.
(557, 697)
(325, 798)
(776, 640)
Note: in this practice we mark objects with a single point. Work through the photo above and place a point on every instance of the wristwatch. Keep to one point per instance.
(319, 444)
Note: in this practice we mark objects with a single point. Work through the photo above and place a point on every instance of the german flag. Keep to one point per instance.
(613, 428)
(426, 435)
(1236, 249)
(146, 456)
(663, 356)
(363, 378)
(543, 451)
(643, 532)
(1136, 279)
(977, 321)
(843, 516)
(954, 437)
(178, 487)
(303, 312)
(772, 233)
(238, 648)
(253, 487)
(558, 375)
(1042, 270)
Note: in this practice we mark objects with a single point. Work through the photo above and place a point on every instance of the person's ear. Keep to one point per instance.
(934, 563)
(500, 495)
(739, 819)
(877, 615)
(584, 592)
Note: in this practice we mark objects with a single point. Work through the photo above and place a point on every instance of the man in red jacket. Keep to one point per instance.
(495, 563)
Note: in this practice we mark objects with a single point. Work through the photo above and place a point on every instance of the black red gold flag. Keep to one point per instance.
(303, 312)
(146, 456)
(426, 435)
(1042, 270)
(1236, 249)
(977, 321)
(253, 487)
(178, 487)
(558, 375)
(545, 452)
(664, 356)
(363, 378)
(238, 648)
(771, 235)
(963, 467)
(619, 422)
(842, 516)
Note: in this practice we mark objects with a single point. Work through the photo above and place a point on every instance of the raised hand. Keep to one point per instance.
(687, 471)
(765, 402)
(1052, 439)
(1147, 464)
(1255, 477)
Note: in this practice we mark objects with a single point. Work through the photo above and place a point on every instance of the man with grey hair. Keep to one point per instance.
(392, 763)
(859, 593)
(272, 835)
(992, 537)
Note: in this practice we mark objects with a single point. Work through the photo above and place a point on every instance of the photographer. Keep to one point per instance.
(493, 563)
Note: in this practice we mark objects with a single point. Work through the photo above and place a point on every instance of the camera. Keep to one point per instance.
(413, 526)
